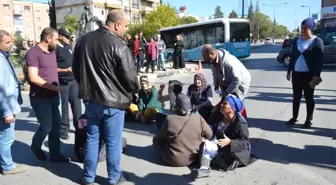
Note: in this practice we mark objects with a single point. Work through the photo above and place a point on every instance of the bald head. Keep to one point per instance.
(115, 16)
(209, 53)
(117, 22)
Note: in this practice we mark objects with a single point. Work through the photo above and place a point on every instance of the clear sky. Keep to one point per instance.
(285, 14)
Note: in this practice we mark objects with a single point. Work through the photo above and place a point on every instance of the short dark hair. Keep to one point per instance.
(207, 49)
(47, 32)
(114, 16)
(3, 33)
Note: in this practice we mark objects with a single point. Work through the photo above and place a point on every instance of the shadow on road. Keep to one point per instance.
(145, 153)
(265, 87)
(26, 125)
(288, 98)
(280, 126)
(29, 110)
(320, 156)
(266, 48)
(159, 178)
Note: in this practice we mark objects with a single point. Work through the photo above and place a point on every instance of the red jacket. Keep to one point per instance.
(153, 50)
(136, 48)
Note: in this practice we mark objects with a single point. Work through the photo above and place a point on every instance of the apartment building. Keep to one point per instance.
(21, 16)
(135, 9)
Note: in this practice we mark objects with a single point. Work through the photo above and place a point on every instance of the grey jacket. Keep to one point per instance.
(233, 75)
(10, 94)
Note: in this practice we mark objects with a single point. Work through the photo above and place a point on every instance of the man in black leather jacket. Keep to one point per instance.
(106, 73)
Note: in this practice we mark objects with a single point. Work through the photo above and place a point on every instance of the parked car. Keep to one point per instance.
(267, 41)
(287, 43)
(284, 56)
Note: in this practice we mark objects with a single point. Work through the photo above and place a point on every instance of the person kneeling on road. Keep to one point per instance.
(181, 134)
(230, 146)
(148, 104)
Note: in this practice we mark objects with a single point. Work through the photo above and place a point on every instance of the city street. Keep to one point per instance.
(287, 155)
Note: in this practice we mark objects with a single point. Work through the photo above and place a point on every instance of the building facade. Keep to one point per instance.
(27, 17)
(328, 13)
(134, 9)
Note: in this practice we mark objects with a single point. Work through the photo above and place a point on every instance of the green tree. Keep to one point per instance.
(71, 23)
(163, 16)
(250, 14)
(281, 31)
(262, 25)
(52, 14)
(218, 12)
(233, 14)
(188, 20)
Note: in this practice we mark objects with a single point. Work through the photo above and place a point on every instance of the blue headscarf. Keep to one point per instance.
(236, 104)
(310, 23)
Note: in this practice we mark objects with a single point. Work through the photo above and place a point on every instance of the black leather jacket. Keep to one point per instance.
(105, 69)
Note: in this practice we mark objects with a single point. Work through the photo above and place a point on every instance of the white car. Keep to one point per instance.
(268, 41)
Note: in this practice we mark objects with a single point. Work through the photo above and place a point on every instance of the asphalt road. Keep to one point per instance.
(288, 155)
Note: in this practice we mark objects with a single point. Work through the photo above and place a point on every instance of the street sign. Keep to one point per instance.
(314, 16)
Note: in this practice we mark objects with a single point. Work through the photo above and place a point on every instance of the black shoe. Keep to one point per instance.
(307, 124)
(164, 69)
(40, 155)
(292, 121)
(84, 182)
(64, 136)
(60, 159)
(121, 180)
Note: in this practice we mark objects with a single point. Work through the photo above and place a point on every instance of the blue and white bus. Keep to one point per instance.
(231, 34)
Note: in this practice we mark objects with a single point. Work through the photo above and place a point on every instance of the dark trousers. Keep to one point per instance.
(76, 105)
(150, 63)
(48, 115)
(301, 83)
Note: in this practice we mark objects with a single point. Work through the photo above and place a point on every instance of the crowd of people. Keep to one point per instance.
(196, 132)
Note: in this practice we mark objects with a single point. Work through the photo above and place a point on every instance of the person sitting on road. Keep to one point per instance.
(200, 94)
(148, 104)
(181, 134)
(230, 146)
(174, 87)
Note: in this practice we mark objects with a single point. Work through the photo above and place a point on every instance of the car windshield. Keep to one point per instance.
(330, 38)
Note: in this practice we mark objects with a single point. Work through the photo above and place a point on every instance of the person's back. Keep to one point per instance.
(179, 150)
(107, 68)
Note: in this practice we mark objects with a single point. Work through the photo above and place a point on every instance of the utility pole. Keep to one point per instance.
(243, 9)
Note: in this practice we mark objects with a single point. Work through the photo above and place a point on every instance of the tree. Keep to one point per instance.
(257, 9)
(233, 14)
(218, 12)
(71, 23)
(188, 20)
(163, 16)
(262, 25)
(52, 14)
(250, 14)
(280, 31)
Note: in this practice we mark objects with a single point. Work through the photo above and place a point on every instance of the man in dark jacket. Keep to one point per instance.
(106, 74)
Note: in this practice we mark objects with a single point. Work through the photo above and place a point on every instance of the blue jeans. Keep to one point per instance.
(112, 120)
(139, 63)
(161, 61)
(49, 116)
(6, 141)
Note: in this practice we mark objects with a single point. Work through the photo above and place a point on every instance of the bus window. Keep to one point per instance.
(199, 37)
(220, 34)
(239, 32)
(209, 34)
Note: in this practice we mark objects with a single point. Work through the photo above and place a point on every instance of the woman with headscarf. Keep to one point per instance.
(304, 69)
(148, 104)
(230, 146)
(181, 134)
(200, 94)
(178, 57)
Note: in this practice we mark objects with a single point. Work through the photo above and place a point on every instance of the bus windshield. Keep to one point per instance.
(239, 32)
